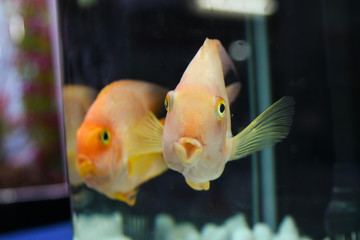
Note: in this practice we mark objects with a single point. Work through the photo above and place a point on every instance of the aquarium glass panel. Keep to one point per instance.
(211, 120)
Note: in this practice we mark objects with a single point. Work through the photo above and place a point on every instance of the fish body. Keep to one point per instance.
(104, 159)
(196, 138)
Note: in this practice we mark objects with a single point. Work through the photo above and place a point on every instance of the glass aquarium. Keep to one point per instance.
(122, 60)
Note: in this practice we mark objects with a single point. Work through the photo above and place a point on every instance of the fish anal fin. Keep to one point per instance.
(146, 135)
(128, 197)
(270, 127)
(146, 166)
(233, 91)
(198, 186)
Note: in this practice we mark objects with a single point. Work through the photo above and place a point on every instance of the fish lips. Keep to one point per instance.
(88, 169)
(189, 150)
(85, 166)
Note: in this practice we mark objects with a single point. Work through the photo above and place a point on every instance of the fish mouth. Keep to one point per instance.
(85, 166)
(188, 150)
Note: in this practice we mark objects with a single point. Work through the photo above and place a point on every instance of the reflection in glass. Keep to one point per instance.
(30, 139)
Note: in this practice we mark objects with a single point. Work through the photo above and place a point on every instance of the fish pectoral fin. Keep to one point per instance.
(146, 136)
(270, 127)
(233, 91)
(146, 166)
(128, 197)
(198, 186)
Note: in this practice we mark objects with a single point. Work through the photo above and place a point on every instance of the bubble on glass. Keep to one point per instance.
(239, 50)
(17, 28)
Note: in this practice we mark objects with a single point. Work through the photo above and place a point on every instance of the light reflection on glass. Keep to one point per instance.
(16, 27)
(239, 7)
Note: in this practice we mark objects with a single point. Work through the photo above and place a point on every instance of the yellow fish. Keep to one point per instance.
(77, 100)
(196, 138)
(104, 159)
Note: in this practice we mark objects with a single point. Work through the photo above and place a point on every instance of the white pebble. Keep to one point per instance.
(234, 228)
(213, 232)
(164, 223)
(287, 230)
(99, 227)
(183, 231)
(208, 230)
(242, 234)
(235, 222)
(262, 231)
(288, 225)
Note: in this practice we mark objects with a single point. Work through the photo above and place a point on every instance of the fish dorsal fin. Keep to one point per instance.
(146, 166)
(232, 91)
(146, 136)
(268, 128)
(226, 61)
(211, 47)
(209, 66)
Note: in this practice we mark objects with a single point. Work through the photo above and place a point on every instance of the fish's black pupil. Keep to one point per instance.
(222, 108)
(105, 136)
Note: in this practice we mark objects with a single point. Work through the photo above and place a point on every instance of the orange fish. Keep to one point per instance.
(77, 100)
(196, 138)
(104, 159)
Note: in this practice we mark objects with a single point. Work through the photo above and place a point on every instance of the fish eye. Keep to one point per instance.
(220, 108)
(167, 102)
(105, 137)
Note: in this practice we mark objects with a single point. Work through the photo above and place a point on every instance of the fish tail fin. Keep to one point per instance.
(270, 127)
(146, 136)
